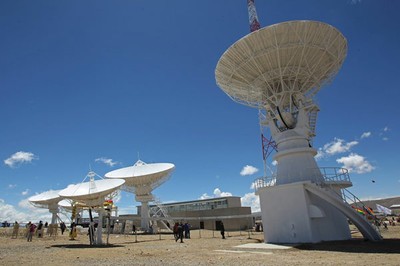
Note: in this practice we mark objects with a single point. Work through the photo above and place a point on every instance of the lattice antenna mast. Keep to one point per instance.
(253, 19)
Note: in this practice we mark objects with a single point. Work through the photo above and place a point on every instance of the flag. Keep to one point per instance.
(383, 209)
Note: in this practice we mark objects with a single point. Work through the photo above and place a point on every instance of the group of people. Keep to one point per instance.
(180, 230)
(32, 229)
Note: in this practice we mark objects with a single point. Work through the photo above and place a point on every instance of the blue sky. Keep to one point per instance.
(94, 83)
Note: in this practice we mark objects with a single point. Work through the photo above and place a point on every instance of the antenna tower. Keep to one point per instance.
(253, 19)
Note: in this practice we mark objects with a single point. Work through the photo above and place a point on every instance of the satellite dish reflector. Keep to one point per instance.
(91, 191)
(142, 179)
(143, 175)
(271, 65)
(46, 198)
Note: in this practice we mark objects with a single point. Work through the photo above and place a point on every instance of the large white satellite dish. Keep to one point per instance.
(47, 200)
(142, 179)
(93, 194)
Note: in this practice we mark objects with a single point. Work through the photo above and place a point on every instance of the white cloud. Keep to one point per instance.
(10, 213)
(334, 147)
(25, 192)
(338, 146)
(356, 163)
(320, 154)
(251, 200)
(216, 194)
(366, 135)
(386, 129)
(20, 158)
(385, 138)
(248, 170)
(106, 161)
(11, 186)
(205, 196)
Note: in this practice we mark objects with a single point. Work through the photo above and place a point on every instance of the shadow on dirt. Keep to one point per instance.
(391, 246)
(73, 246)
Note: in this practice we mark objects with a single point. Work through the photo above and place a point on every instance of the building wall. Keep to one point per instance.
(210, 218)
(204, 214)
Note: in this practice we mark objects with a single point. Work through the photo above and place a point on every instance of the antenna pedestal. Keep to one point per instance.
(144, 211)
(53, 209)
(295, 159)
(292, 214)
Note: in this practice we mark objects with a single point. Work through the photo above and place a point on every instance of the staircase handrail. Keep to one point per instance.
(351, 199)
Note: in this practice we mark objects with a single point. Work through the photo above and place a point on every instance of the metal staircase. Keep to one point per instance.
(326, 193)
(158, 212)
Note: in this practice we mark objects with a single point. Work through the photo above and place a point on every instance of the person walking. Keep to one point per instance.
(222, 228)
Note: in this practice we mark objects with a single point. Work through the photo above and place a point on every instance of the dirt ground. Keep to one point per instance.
(203, 248)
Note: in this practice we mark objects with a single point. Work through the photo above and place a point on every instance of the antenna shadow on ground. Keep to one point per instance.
(78, 246)
(390, 246)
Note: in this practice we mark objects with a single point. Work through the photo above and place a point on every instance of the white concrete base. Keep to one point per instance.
(291, 214)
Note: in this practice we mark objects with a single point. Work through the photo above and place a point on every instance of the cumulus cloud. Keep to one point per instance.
(20, 158)
(338, 146)
(248, 170)
(25, 192)
(366, 135)
(251, 200)
(356, 163)
(216, 194)
(106, 161)
(205, 196)
(335, 147)
(24, 213)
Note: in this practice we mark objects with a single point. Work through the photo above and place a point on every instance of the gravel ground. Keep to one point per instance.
(204, 248)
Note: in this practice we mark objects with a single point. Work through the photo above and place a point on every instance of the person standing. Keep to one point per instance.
(31, 231)
(222, 228)
(15, 230)
(40, 229)
(73, 233)
(187, 230)
(180, 232)
(175, 230)
(63, 227)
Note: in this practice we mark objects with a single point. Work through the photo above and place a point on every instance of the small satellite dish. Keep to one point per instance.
(47, 200)
(142, 179)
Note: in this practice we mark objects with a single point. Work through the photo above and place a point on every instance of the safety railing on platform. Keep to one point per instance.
(330, 175)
